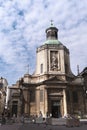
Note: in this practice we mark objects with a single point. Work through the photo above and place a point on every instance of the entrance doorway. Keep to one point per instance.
(55, 107)
(14, 108)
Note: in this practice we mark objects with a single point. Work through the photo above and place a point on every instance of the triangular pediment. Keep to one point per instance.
(54, 79)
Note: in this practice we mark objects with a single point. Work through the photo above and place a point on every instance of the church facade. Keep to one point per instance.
(53, 89)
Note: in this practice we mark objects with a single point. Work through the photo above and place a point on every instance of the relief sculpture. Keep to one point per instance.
(54, 61)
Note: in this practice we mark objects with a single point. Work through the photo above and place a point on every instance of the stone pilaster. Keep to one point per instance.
(26, 98)
(45, 102)
(65, 102)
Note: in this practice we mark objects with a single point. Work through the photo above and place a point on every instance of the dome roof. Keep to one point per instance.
(52, 28)
(52, 41)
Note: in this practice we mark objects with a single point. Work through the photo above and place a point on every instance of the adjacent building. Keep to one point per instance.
(53, 88)
(3, 90)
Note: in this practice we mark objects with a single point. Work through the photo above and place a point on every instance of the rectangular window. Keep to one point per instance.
(75, 97)
(41, 95)
(66, 68)
(68, 96)
(41, 68)
(32, 95)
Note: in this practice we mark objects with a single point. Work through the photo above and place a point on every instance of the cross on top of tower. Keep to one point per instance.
(51, 22)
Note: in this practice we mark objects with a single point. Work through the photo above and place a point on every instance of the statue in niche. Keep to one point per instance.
(54, 62)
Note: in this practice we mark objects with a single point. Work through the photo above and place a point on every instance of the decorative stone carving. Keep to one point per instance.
(54, 61)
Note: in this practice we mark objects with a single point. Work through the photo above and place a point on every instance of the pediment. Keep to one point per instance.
(54, 79)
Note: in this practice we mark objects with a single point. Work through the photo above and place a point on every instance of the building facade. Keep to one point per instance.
(53, 88)
(3, 90)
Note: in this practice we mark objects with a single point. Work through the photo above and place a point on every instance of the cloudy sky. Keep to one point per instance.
(22, 30)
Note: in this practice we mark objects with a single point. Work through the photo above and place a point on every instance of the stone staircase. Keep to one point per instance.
(56, 121)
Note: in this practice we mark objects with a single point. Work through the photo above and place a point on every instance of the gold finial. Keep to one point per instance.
(51, 22)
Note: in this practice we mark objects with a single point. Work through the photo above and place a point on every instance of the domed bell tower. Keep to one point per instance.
(52, 56)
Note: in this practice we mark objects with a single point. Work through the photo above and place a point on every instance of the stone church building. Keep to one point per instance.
(53, 88)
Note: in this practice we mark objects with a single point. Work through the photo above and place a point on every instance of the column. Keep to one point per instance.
(45, 102)
(65, 102)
